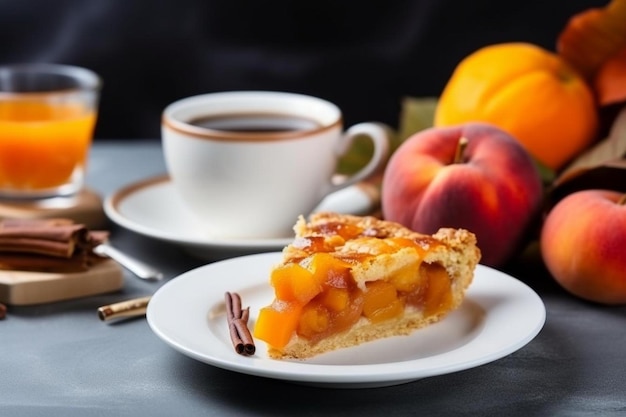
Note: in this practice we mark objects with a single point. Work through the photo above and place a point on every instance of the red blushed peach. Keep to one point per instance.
(583, 244)
(490, 186)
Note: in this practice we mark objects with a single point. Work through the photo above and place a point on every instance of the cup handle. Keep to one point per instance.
(378, 134)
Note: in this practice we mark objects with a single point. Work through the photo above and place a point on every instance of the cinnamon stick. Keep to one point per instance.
(124, 309)
(54, 237)
(39, 246)
(237, 319)
(47, 245)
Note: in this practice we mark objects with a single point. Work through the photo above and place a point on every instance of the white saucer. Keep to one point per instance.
(499, 315)
(152, 208)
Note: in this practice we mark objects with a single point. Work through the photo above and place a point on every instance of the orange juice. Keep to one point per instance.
(42, 144)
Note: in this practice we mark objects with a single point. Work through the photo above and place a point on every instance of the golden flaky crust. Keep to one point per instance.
(455, 249)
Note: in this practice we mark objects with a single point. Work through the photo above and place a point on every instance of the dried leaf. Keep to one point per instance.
(590, 38)
(610, 175)
(610, 81)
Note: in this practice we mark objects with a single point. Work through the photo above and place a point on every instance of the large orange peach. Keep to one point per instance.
(492, 187)
(583, 244)
(529, 92)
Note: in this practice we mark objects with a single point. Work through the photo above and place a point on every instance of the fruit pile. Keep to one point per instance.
(529, 144)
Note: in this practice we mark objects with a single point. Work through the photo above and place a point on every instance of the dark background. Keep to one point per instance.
(363, 55)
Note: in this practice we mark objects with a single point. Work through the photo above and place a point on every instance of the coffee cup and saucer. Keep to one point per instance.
(242, 166)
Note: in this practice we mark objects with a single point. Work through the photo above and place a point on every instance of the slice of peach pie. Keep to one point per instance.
(345, 280)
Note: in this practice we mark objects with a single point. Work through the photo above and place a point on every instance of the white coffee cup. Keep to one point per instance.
(247, 163)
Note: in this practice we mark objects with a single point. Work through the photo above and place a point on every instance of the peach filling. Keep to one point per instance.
(318, 297)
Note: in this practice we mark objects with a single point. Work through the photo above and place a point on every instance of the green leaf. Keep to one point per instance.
(416, 114)
(547, 174)
(361, 152)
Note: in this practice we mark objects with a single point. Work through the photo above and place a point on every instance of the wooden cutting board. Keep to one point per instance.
(85, 207)
(27, 288)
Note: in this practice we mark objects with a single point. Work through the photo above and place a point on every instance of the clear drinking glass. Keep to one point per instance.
(47, 117)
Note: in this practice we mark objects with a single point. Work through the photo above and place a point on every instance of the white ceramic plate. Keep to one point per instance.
(152, 208)
(499, 316)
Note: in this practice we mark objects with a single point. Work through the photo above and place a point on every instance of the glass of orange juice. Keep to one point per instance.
(47, 117)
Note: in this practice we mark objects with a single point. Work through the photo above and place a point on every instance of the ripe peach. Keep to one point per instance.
(583, 240)
(523, 88)
(491, 188)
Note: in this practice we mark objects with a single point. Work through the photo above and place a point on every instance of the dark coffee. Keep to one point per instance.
(250, 123)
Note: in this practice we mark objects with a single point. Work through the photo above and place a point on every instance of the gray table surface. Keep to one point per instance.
(59, 359)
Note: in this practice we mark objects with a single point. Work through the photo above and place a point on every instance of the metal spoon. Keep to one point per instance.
(137, 267)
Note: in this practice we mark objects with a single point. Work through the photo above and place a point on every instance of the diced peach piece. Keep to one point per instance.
(345, 318)
(379, 295)
(417, 297)
(327, 269)
(335, 299)
(339, 278)
(389, 311)
(293, 282)
(438, 296)
(314, 320)
(407, 278)
(276, 323)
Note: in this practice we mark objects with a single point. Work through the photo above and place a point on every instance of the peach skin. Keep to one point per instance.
(473, 176)
(583, 240)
